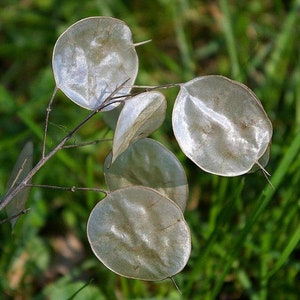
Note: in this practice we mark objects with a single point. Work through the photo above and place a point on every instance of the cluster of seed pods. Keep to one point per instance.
(138, 230)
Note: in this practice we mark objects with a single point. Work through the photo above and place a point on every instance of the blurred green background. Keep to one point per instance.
(245, 235)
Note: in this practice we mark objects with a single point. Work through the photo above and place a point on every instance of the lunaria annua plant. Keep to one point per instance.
(138, 230)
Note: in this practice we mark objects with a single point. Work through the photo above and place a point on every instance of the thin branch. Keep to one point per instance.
(48, 111)
(266, 174)
(86, 143)
(157, 87)
(142, 43)
(147, 88)
(12, 193)
(24, 211)
(65, 188)
(175, 284)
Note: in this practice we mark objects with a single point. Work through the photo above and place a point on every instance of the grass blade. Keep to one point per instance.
(261, 204)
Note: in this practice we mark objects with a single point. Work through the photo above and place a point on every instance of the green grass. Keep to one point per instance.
(245, 234)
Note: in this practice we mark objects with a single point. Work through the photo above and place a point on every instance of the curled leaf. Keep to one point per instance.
(92, 58)
(220, 125)
(138, 233)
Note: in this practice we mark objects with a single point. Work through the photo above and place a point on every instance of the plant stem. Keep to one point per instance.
(48, 110)
(22, 212)
(66, 188)
(12, 193)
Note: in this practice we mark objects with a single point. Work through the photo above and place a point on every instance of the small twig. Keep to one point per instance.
(157, 87)
(48, 110)
(24, 211)
(175, 284)
(266, 174)
(108, 101)
(66, 188)
(142, 43)
(147, 88)
(86, 143)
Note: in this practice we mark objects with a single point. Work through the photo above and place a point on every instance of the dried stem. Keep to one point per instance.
(24, 183)
(157, 87)
(266, 174)
(87, 143)
(175, 284)
(66, 188)
(48, 110)
(142, 43)
(22, 212)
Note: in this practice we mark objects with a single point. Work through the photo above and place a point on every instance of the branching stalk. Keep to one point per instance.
(24, 183)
